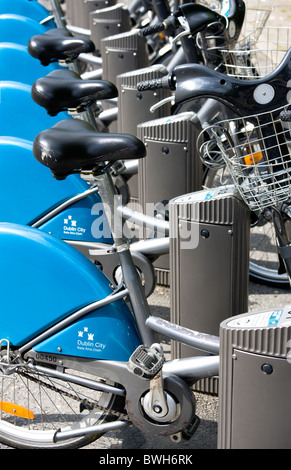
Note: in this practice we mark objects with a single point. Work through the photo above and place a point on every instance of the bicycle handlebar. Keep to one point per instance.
(156, 28)
(165, 82)
(170, 24)
(198, 17)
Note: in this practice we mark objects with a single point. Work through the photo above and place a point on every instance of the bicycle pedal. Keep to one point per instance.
(146, 362)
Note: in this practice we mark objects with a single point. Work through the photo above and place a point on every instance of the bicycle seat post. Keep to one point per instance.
(58, 14)
(131, 278)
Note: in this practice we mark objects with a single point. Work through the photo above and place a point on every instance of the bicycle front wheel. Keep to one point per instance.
(34, 406)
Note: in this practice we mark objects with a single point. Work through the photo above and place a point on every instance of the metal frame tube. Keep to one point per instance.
(102, 387)
(58, 14)
(145, 221)
(64, 206)
(101, 428)
(77, 30)
(195, 339)
(152, 246)
(131, 278)
(192, 369)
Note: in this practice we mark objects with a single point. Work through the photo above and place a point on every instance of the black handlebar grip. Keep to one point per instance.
(153, 84)
(157, 28)
(170, 24)
(285, 115)
(166, 82)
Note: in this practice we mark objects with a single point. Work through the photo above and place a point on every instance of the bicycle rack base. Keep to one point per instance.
(171, 167)
(120, 54)
(108, 21)
(209, 253)
(134, 107)
(255, 381)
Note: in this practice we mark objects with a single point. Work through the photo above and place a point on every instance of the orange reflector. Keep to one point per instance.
(16, 410)
(253, 158)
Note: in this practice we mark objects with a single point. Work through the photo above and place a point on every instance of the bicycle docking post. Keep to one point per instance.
(209, 249)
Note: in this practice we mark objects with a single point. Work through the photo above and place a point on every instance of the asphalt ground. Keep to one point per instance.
(260, 297)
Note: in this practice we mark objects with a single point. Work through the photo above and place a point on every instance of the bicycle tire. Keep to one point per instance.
(50, 408)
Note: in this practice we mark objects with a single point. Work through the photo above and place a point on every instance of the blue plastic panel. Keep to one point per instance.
(28, 8)
(81, 222)
(43, 280)
(19, 29)
(28, 190)
(107, 333)
(20, 116)
(17, 65)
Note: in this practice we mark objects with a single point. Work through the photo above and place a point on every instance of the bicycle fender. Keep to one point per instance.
(107, 333)
(45, 281)
(28, 8)
(83, 221)
(27, 71)
(18, 29)
(20, 116)
(28, 190)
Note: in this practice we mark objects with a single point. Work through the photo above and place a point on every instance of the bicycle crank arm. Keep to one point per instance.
(143, 409)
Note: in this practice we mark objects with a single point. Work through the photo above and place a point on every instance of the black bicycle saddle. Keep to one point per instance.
(58, 44)
(73, 145)
(64, 89)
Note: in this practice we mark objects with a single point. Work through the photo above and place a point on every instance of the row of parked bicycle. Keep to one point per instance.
(61, 107)
(214, 41)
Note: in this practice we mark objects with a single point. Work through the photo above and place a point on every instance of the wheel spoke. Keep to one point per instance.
(43, 404)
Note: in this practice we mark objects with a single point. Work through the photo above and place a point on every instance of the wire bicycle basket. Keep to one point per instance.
(255, 151)
(250, 61)
(224, 55)
(256, 17)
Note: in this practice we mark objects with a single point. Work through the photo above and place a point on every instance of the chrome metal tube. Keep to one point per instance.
(195, 339)
(90, 59)
(208, 111)
(58, 14)
(102, 387)
(101, 428)
(152, 246)
(92, 75)
(194, 368)
(108, 115)
(78, 31)
(137, 297)
(130, 167)
(151, 223)
(131, 278)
